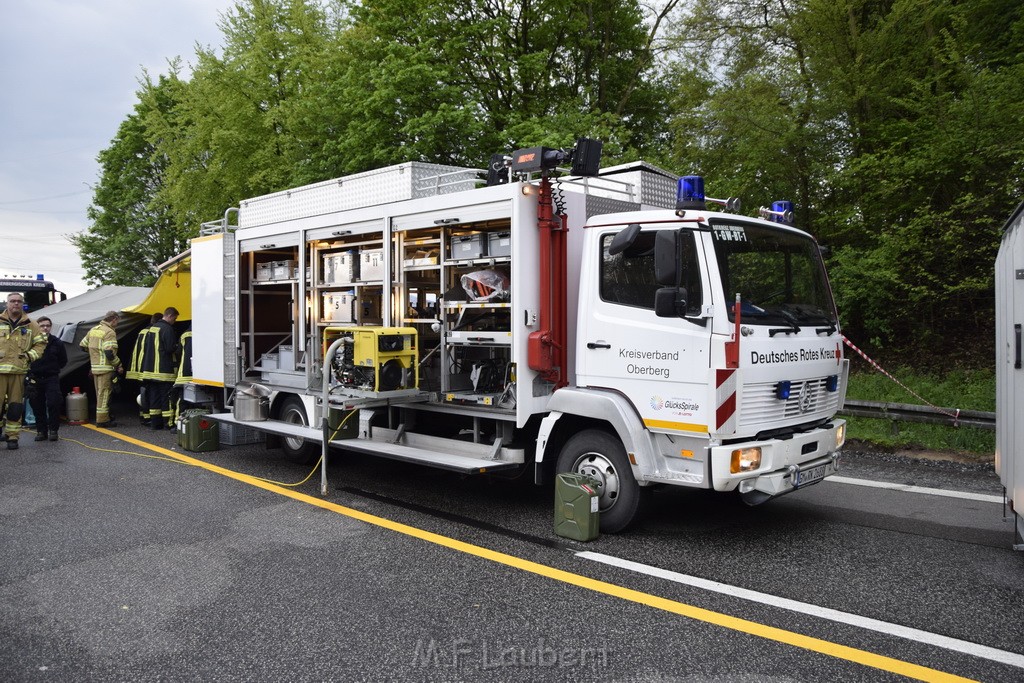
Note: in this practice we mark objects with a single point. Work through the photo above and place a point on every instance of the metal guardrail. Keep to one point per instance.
(904, 412)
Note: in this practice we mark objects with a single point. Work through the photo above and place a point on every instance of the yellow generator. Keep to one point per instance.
(375, 358)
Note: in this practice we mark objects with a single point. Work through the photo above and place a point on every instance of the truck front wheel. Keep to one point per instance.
(601, 456)
(296, 449)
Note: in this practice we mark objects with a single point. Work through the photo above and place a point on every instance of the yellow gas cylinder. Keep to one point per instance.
(77, 407)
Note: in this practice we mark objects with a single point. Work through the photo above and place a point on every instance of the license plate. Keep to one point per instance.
(810, 476)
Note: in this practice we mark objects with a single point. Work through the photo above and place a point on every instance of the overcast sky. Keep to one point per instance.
(70, 71)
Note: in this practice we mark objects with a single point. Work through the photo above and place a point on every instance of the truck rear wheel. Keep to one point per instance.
(601, 456)
(296, 449)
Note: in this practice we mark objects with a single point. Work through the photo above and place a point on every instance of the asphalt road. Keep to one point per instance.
(133, 567)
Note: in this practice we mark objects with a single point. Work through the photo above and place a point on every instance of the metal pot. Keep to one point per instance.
(249, 408)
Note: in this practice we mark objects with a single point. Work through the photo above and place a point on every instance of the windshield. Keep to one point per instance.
(778, 274)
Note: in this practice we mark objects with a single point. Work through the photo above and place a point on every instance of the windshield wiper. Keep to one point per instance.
(831, 329)
(789, 318)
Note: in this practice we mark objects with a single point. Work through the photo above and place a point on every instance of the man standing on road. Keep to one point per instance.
(160, 370)
(101, 342)
(44, 384)
(135, 369)
(21, 343)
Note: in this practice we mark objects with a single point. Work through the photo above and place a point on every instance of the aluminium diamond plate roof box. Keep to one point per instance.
(410, 180)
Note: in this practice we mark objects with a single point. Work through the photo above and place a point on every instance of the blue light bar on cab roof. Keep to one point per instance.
(690, 193)
(783, 212)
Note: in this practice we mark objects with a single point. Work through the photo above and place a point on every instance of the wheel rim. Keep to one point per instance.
(600, 468)
(292, 415)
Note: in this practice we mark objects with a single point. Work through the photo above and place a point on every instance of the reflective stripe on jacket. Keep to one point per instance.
(185, 364)
(21, 343)
(158, 358)
(101, 342)
(135, 370)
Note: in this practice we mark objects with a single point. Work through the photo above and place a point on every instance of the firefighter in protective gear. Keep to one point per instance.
(101, 343)
(184, 373)
(21, 343)
(135, 368)
(159, 369)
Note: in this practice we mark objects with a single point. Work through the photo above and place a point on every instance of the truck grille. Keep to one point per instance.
(808, 399)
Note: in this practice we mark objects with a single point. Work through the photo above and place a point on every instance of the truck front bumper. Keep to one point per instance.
(785, 464)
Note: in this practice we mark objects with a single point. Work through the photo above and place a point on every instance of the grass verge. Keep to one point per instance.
(957, 388)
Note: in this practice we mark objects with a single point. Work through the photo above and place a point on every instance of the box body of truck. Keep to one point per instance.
(474, 333)
(1009, 281)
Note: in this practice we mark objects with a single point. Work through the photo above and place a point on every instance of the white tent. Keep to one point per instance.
(73, 318)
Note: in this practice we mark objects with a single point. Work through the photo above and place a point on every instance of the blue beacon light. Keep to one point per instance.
(690, 193)
(784, 212)
(783, 389)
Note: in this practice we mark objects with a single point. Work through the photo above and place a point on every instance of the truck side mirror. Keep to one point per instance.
(670, 302)
(667, 268)
(624, 239)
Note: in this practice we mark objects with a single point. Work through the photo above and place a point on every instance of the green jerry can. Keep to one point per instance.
(197, 432)
(576, 502)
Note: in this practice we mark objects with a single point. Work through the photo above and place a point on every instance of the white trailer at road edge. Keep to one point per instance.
(1009, 277)
(606, 322)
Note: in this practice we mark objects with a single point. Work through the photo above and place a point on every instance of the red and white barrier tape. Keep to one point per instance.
(876, 366)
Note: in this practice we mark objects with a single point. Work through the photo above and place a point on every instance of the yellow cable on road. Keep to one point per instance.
(753, 628)
(177, 460)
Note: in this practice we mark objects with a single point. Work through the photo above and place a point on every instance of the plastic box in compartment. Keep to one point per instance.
(371, 265)
(264, 271)
(236, 435)
(268, 361)
(286, 357)
(283, 269)
(468, 246)
(499, 244)
(338, 306)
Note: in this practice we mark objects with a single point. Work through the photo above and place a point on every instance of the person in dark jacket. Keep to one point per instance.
(160, 369)
(44, 384)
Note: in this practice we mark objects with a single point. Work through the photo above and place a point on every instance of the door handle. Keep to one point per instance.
(1016, 347)
(598, 345)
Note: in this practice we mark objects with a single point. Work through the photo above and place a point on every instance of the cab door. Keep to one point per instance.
(660, 364)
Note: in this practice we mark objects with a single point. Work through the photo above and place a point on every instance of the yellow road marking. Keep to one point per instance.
(700, 614)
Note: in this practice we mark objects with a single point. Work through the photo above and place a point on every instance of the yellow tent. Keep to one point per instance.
(172, 288)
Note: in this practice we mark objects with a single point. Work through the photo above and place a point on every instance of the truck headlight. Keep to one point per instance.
(745, 459)
(841, 436)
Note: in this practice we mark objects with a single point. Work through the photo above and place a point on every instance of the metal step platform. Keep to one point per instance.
(446, 454)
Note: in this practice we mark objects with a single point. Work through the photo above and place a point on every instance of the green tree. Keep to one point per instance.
(234, 133)
(453, 82)
(889, 122)
(132, 229)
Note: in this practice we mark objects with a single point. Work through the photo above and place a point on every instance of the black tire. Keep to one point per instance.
(601, 456)
(297, 450)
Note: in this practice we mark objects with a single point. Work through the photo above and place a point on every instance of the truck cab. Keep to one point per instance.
(717, 337)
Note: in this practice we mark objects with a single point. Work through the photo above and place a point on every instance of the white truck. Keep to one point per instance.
(605, 322)
(1009, 281)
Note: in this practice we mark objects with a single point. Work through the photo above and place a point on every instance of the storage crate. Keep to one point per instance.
(232, 434)
(264, 272)
(499, 244)
(338, 306)
(371, 265)
(467, 246)
(340, 268)
(286, 357)
(283, 269)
